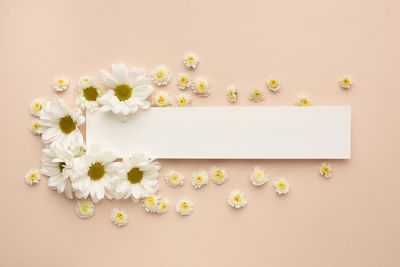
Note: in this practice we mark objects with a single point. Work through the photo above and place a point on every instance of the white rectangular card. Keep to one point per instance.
(227, 132)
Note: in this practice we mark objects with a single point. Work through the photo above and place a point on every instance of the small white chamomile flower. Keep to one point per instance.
(161, 75)
(60, 83)
(274, 85)
(84, 208)
(325, 170)
(119, 217)
(218, 175)
(199, 179)
(345, 82)
(303, 101)
(174, 178)
(258, 176)
(32, 177)
(201, 87)
(256, 95)
(190, 60)
(281, 186)
(183, 81)
(36, 128)
(88, 94)
(161, 99)
(163, 206)
(150, 203)
(184, 206)
(237, 199)
(231, 94)
(36, 106)
(183, 100)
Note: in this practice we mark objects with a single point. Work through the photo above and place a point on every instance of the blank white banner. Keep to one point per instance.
(226, 132)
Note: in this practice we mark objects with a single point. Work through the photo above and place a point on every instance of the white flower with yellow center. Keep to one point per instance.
(281, 186)
(258, 176)
(231, 94)
(161, 99)
(60, 125)
(325, 170)
(94, 174)
(88, 94)
(183, 81)
(151, 203)
(60, 83)
(57, 164)
(303, 101)
(36, 128)
(184, 206)
(256, 95)
(36, 106)
(201, 87)
(161, 75)
(199, 179)
(137, 177)
(119, 217)
(237, 199)
(274, 85)
(163, 206)
(345, 82)
(174, 178)
(32, 177)
(128, 90)
(219, 175)
(183, 100)
(190, 60)
(84, 209)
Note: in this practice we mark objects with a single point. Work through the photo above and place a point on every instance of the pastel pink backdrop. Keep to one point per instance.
(351, 219)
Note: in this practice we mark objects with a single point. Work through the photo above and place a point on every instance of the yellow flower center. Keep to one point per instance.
(37, 106)
(185, 206)
(201, 87)
(90, 93)
(60, 82)
(160, 74)
(84, 208)
(281, 186)
(191, 59)
(67, 124)
(273, 83)
(123, 92)
(150, 201)
(237, 199)
(184, 80)
(135, 175)
(326, 170)
(96, 171)
(199, 179)
(182, 101)
(162, 100)
(218, 175)
(36, 126)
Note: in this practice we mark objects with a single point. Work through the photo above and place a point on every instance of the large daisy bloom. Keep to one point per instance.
(256, 95)
(237, 199)
(88, 94)
(258, 176)
(161, 99)
(183, 81)
(231, 94)
(219, 175)
(199, 179)
(161, 75)
(184, 206)
(274, 85)
(325, 170)
(303, 100)
(281, 186)
(119, 217)
(174, 178)
(183, 100)
(60, 124)
(36, 128)
(84, 209)
(60, 83)
(32, 177)
(190, 60)
(345, 82)
(57, 164)
(137, 177)
(201, 87)
(36, 106)
(94, 174)
(128, 90)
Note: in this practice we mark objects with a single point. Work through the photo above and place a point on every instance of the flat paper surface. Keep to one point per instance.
(226, 132)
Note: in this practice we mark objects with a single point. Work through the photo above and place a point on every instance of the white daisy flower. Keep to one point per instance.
(151, 203)
(281, 186)
(163, 206)
(137, 177)
(273, 85)
(57, 164)
(199, 179)
(84, 209)
(183, 100)
(174, 178)
(258, 176)
(119, 217)
(161, 99)
(190, 60)
(60, 124)
(201, 87)
(36, 106)
(325, 170)
(94, 174)
(184, 206)
(183, 81)
(128, 90)
(237, 199)
(32, 177)
(345, 82)
(303, 101)
(231, 94)
(88, 94)
(161, 75)
(60, 83)
(36, 128)
(219, 175)
(256, 95)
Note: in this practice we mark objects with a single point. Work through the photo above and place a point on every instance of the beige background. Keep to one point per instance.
(350, 220)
